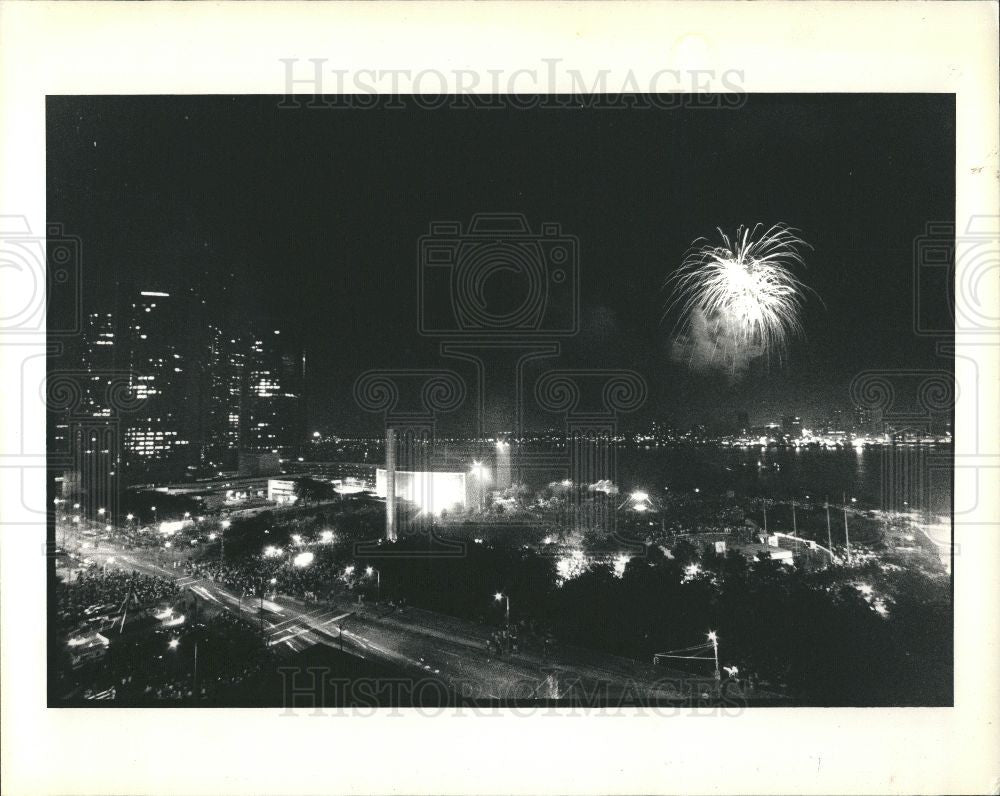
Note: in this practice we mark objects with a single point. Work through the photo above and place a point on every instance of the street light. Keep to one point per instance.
(715, 651)
(222, 541)
(378, 582)
(100, 512)
(174, 644)
(506, 598)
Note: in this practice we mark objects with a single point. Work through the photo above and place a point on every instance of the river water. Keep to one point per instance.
(900, 478)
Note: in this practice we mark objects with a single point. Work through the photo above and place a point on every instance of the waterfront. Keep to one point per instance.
(871, 475)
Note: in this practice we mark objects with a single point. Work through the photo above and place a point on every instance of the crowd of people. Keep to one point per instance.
(97, 587)
(257, 575)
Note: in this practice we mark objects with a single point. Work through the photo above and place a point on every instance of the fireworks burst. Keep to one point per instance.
(739, 300)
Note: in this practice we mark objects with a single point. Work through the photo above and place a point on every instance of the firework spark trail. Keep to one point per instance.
(739, 300)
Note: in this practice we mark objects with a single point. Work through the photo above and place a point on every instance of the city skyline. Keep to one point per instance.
(332, 366)
(287, 242)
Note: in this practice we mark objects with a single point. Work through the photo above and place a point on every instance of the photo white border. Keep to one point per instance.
(223, 48)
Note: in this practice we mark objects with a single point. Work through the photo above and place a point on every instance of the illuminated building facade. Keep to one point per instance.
(275, 373)
(159, 362)
(432, 492)
(99, 361)
(225, 392)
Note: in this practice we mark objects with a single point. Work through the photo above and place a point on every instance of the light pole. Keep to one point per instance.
(829, 535)
(174, 644)
(506, 598)
(715, 651)
(847, 535)
(378, 582)
(222, 540)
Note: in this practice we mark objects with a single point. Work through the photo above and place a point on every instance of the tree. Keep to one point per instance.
(313, 489)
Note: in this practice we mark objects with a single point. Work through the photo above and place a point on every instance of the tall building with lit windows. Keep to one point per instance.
(86, 436)
(160, 363)
(225, 392)
(275, 374)
(98, 359)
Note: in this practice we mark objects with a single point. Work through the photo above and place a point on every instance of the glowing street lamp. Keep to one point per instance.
(174, 644)
(369, 571)
(715, 651)
(303, 559)
(130, 517)
(100, 512)
(506, 598)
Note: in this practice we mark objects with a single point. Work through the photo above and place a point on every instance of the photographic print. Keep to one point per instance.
(578, 400)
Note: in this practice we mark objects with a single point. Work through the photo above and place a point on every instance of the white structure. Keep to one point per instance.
(432, 492)
(281, 491)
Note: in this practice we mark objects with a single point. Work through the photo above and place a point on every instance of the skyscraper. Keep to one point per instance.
(161, 361)
(225, 392)
(99, 360)
(276, 372)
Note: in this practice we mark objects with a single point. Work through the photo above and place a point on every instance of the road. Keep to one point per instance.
(430, 646)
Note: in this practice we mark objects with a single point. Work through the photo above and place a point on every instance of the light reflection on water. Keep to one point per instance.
(877, 477)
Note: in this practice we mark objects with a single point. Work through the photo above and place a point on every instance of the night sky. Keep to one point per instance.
(312, 217)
